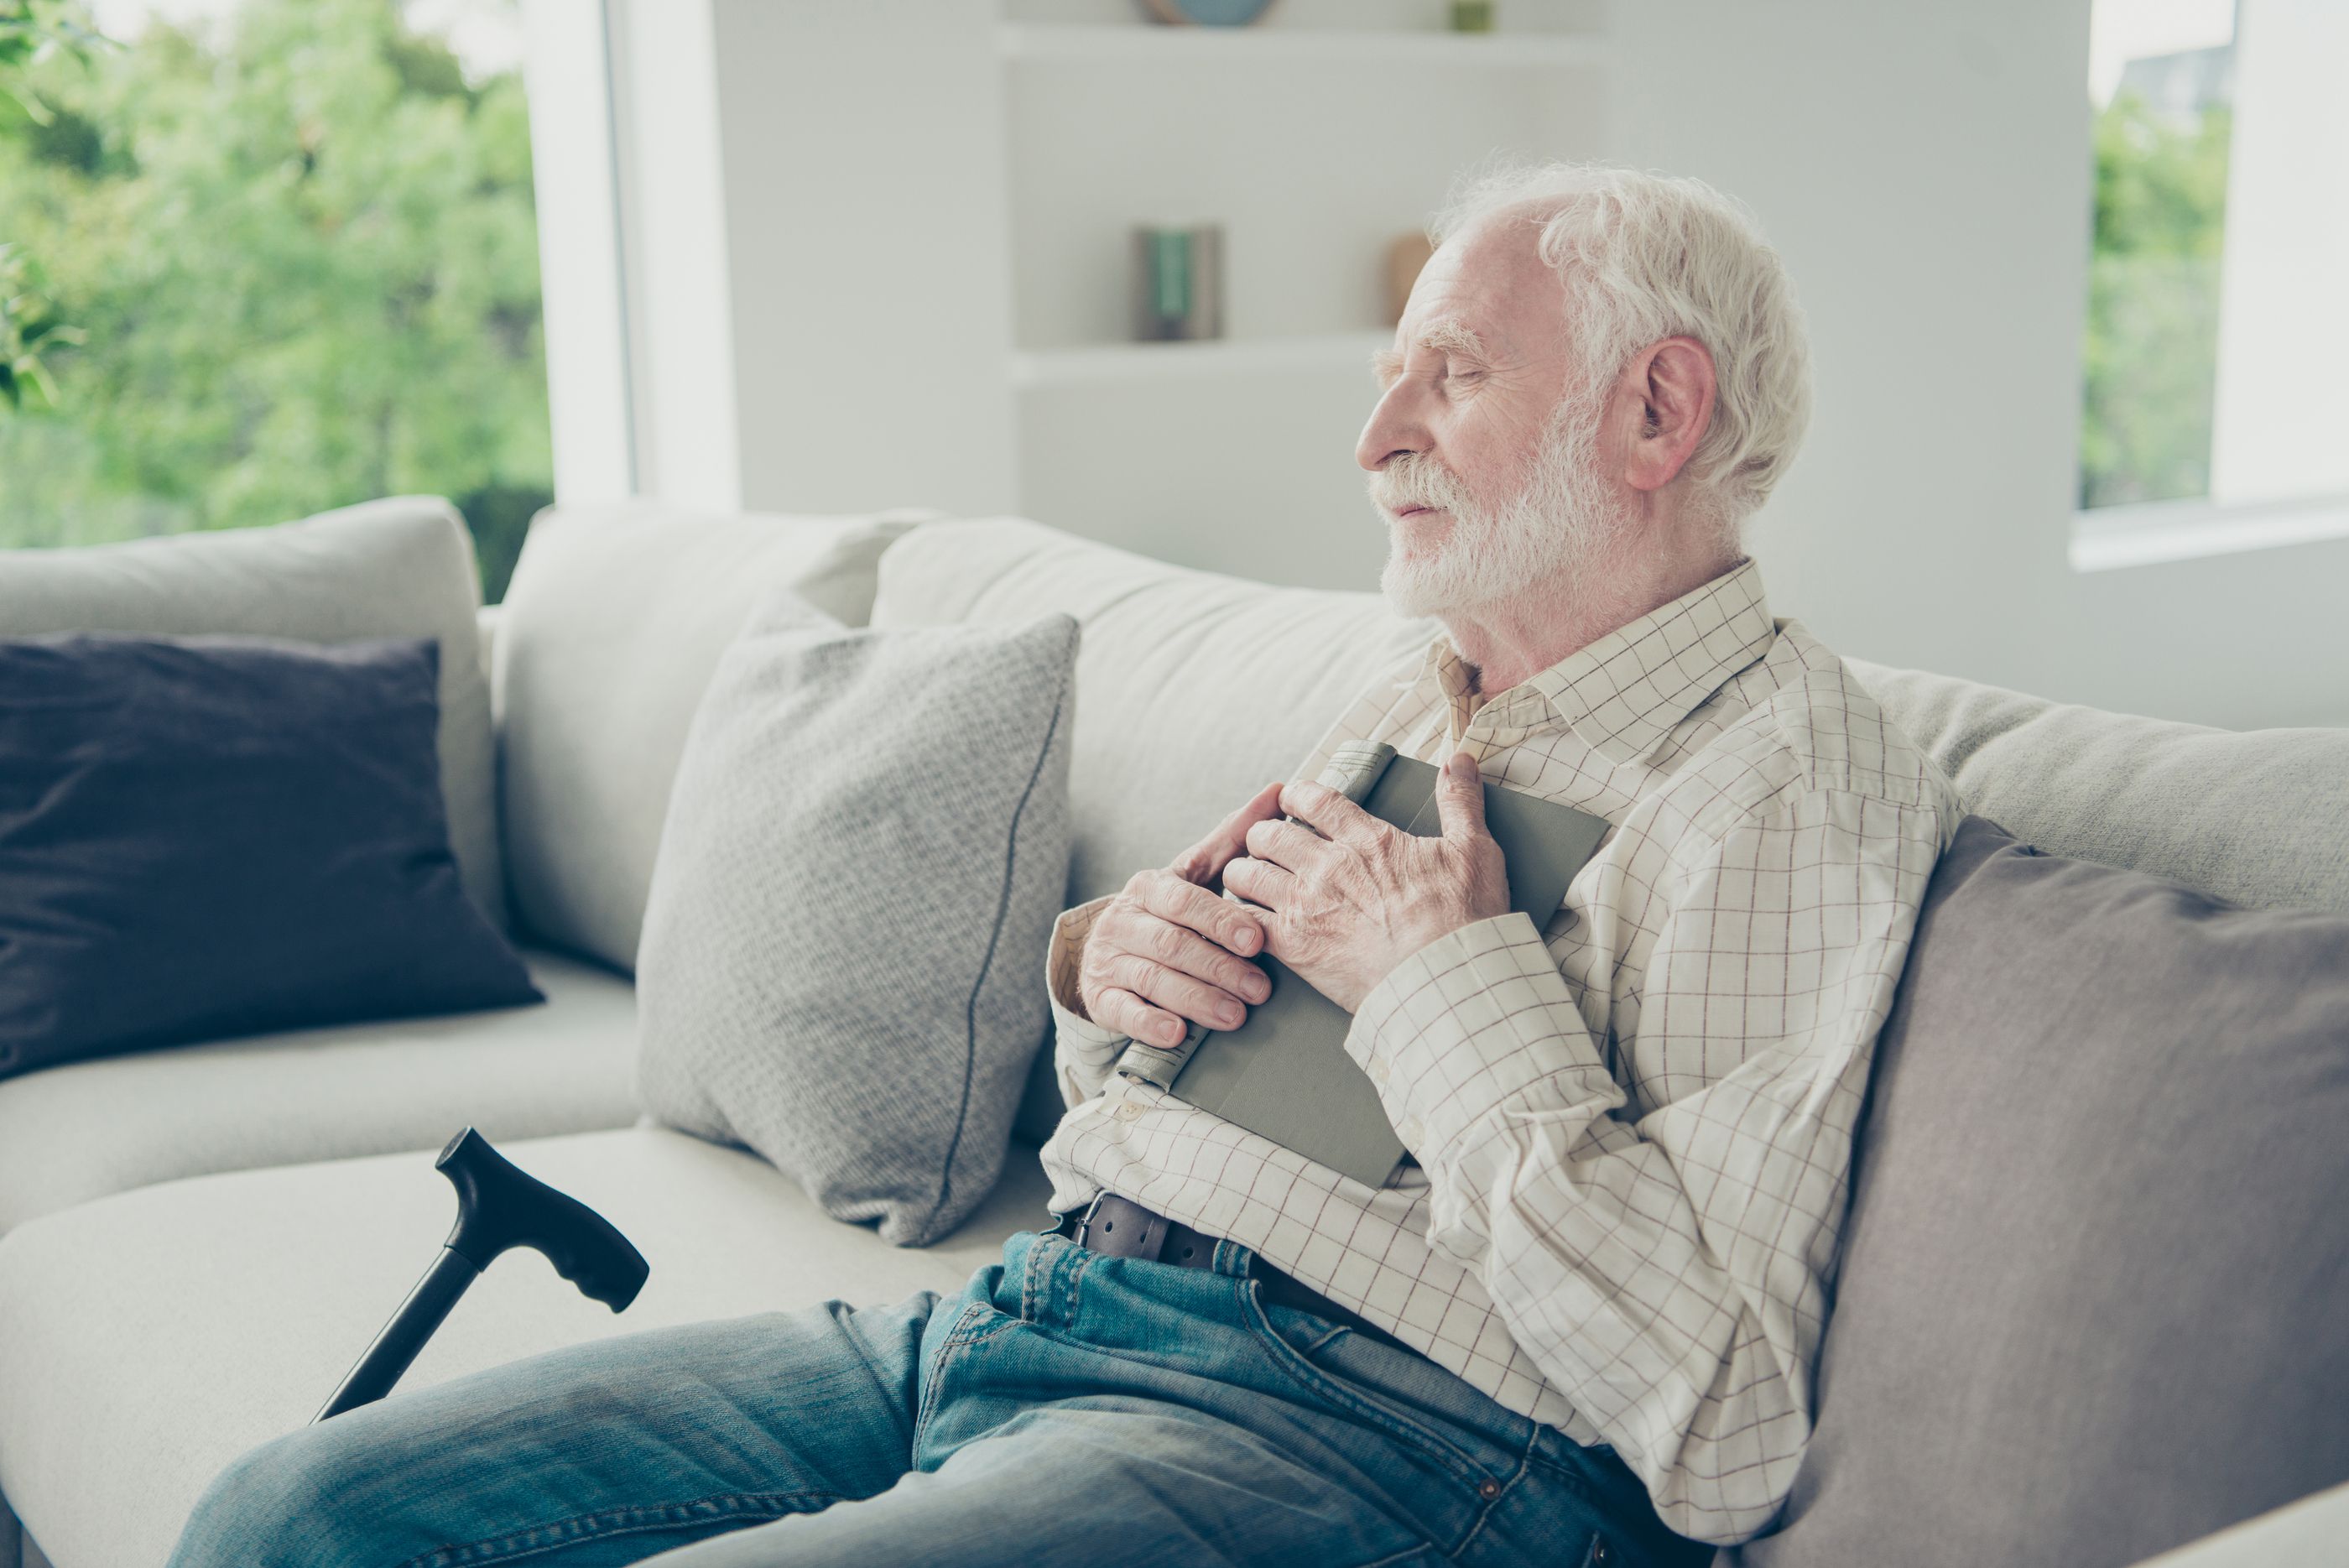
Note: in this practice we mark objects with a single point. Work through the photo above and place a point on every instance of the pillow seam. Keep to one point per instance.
(986, 963)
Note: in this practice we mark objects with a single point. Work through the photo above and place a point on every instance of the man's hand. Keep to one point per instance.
(1166, 951)
(1343, 910)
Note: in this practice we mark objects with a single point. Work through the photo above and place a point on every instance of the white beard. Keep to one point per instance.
(1561, 525)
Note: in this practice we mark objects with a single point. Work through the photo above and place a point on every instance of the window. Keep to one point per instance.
(2210, 419)
(295, 245)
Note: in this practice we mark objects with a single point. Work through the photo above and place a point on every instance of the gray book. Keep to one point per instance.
(1283, 1073)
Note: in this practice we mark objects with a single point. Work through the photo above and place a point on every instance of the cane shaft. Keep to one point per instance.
(372, 1377)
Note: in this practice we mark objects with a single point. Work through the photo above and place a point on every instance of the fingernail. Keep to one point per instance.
(1246, 939)
(1171, 1033)
(1229, 1015)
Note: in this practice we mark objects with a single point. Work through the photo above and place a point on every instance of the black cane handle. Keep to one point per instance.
(498, 1206)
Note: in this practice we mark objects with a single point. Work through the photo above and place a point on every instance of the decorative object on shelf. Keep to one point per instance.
(1406, 257)
(1472, 15)
(1178, 281)
(1209, 13)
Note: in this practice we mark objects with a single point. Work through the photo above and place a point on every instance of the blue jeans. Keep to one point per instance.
(1065, 1408)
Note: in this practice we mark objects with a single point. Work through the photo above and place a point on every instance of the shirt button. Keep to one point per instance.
(1409, 1130)
(1126, 1110)
(1378, 1069)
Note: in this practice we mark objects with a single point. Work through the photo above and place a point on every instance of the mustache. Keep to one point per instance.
(1417, 481)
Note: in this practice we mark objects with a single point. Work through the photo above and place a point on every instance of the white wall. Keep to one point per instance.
(866, 244)
(2280, 427)
(1924, 168)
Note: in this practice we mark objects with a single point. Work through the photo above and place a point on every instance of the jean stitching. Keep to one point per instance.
(1484, 1514)
(1305, 1375)
(615, 1522)
(1572, 1478)
(955, 1336)
(1084, 1261)
(1405, 1555)
(1335, 1330)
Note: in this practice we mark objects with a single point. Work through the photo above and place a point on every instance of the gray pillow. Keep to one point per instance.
(2091, 1300)
(399, 567)
(843, 943)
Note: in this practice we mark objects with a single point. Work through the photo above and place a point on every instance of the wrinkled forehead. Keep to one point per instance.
(1485, 297)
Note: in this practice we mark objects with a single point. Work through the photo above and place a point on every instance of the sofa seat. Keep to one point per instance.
(155, 1335)
(319, 1093)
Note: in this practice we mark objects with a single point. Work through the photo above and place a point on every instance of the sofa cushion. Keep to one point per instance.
(217, 836)
(2259, 818)
(857, 882)
(80, 1131)
(614, 621)
(2090, 1302)
(400, 567)
(1195, 689)
(154, 1335)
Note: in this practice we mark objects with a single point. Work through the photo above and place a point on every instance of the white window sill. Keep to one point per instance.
(2159, 531)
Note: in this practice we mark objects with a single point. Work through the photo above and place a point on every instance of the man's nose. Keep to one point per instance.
(1387, 433)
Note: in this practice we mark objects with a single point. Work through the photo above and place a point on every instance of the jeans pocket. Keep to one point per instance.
(1347, 1397)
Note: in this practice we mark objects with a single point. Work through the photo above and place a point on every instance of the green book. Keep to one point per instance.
(1285, 1073)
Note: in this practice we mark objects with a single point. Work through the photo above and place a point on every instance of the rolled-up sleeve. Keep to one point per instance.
(1083, 1053)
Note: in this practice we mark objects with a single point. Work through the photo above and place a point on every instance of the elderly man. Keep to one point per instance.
(1578, 1324)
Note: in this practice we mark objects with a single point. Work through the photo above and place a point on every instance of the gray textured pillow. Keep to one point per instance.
(864, 854)
(2092, 1295)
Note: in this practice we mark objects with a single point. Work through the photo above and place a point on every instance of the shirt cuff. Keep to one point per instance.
(1083, 1052)
(1476, 1020)
(1060, 958)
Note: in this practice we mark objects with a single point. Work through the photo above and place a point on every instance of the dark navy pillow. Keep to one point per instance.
(208, 837)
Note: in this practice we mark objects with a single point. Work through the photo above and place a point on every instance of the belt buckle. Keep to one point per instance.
(1085, 1221)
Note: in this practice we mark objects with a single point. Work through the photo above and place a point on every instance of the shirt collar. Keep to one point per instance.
(1624, 693)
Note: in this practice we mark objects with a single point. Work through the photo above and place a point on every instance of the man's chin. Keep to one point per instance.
(1418, 586)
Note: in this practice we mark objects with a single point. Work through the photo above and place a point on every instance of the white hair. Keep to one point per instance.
(1644, 257)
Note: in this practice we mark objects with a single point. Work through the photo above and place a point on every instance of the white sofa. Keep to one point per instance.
(199, 1241)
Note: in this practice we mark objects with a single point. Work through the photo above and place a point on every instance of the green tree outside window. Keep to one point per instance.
(2152, 350)
(304, 259)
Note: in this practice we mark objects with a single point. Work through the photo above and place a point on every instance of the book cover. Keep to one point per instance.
(1283, 1073)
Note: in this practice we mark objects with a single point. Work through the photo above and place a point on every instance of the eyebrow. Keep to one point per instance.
(1446, 335)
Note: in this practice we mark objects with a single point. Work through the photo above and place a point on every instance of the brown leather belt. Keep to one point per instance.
(1121, 1228)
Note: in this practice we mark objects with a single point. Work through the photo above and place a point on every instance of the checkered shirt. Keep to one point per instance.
(1632, 1124)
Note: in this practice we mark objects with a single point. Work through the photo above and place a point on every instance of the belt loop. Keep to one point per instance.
(1231, 1258)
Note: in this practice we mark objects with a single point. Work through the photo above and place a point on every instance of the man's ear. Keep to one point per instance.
(1674, 382)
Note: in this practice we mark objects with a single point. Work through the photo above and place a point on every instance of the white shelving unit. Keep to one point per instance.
(1096, 364)
(1315, 138)
(1097, 41)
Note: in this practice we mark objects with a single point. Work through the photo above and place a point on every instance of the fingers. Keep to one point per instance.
(1261, 882)
(1114, 1008)
(1286, 845)
(1338, 818)
(1205, 861)
(1165, 989)
(1171, 897)
(1160, 958)
(1460, 798)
